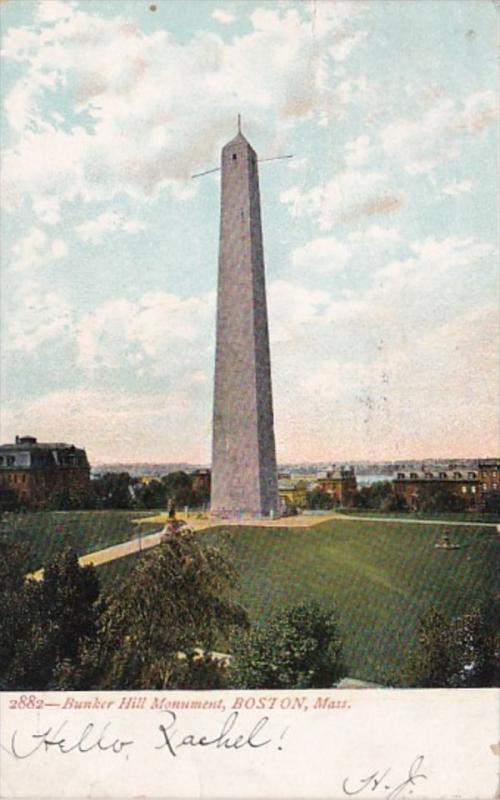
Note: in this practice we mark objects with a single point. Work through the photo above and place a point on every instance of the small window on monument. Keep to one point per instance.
(234, 156)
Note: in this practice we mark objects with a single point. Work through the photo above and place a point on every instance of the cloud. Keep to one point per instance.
(457, 187)
(94, 230)
(223, 16)
(42, 316)
(35, 249)
(351, 195)
(156, 334)
(127, 123)
(359, 151)
(422, 144)
(51, 10)
(326, 254)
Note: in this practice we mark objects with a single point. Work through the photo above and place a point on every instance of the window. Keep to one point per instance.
(485, 486)
(234, 156)
(10, 461)
(473, 489)
(464, 489)
(494, 486)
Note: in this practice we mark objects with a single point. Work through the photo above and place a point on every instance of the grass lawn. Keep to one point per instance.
(380, 577)
(46, 532)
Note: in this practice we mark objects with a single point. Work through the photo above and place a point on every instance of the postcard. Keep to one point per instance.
(249, 463)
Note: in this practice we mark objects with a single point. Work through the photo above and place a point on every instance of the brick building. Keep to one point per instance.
(415, 486)
(37, 473)
(340, 484)
(489, 474)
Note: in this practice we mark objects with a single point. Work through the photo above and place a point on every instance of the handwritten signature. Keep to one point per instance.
(100, 738)
(381, 780)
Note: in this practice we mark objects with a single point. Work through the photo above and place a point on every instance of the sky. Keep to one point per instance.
(379, 233)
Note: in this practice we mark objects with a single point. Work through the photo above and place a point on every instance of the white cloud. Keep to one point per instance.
(35, 249)
(349, 196)
(94, 230)
(42, 316)
(133, 96)
(422, 144)
(326, 254)
(457, 187)
(359, 151)
(149, 334)
(51, 10)
(223, 16)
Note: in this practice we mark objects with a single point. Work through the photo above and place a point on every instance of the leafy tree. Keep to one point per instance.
(459, 652)
(113, 490)
(380, 496)
(491, 502)
(150, 495)
(435, 498)
(68, 597)
(176, 600)
(317, 499)
(298, 648)
(46, 621)
(179, 488)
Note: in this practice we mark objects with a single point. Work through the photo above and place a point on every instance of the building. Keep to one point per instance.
(489, 474)
(200, 481)
(339, 483)
(243, 448)
(292, 494)
(37, 473)
(414, 486)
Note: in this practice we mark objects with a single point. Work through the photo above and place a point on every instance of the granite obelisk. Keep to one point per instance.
(244, 478)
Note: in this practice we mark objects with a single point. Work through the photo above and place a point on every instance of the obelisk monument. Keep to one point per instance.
(243, 449)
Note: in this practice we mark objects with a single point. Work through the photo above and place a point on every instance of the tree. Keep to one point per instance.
(150, 495)
(491, 502)
(317, 499)
(435, 498)
(176, 602)
(113, 490)
(459, 652)
(179, 488)
(299, 648)
(46, 621)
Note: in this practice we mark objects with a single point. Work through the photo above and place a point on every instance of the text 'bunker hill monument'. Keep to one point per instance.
(243, 448)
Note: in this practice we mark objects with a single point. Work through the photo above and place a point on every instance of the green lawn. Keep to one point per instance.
(46, 532)
(381, 578)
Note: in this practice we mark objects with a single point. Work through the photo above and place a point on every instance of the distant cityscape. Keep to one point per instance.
(57, 475)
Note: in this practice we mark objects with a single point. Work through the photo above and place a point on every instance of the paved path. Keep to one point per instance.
(98, 557)
(455, 522)
(139, 543)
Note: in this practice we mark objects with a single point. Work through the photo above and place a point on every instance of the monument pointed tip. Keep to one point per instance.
(239, 123)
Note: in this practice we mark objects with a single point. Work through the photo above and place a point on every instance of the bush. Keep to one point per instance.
(462, 652)
(299, 648)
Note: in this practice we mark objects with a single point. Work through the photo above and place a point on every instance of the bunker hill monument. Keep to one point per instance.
(243, 448)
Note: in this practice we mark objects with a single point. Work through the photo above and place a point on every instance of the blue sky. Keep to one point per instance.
(379, 234)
